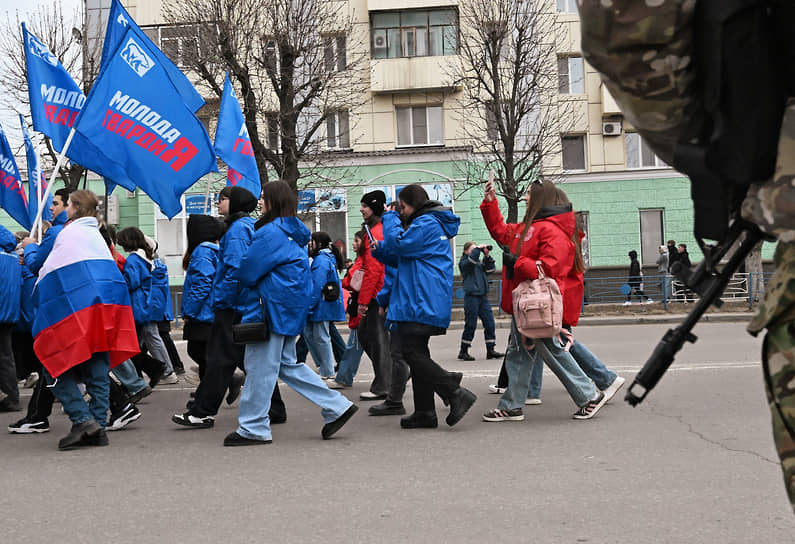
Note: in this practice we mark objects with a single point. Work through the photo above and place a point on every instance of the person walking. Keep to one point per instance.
(420, 303)
(635, 279)
(474, 273)
(326, 262)
(11, 275)
(276, 269)
(545, 236)
(662, 271)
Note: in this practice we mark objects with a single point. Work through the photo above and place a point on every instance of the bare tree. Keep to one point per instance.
(63, 36)
(298, 65)
(509, 107)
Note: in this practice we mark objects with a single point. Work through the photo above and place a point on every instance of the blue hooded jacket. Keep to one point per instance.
(324, 270)
(199, 283)
(423, 288)
(233, 247)
(10, 278)
(27, 304)
(36, 254)
(138, 275)
(277, 268)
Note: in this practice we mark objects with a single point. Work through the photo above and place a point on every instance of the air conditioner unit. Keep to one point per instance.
(611, 128)
(379, 42)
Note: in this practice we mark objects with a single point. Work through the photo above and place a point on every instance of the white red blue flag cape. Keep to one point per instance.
(233, 144)
(84, 304)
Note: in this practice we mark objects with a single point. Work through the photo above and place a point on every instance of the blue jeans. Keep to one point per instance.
(316, 334)
(592, 366)
(266, 362)
(519, 364)
(349, 364)
(129, 378)
(477, 306)
(93, 373)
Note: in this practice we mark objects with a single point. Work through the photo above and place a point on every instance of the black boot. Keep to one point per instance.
(420, 420)
(463, 354)
(491, 353)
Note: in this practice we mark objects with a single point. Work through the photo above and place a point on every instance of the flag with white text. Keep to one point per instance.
(118, 23)
(138, 118)
(233, 145)
(12, 194)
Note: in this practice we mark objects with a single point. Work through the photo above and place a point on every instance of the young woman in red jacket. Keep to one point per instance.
(544, 235)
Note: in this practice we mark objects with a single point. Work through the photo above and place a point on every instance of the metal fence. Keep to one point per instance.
(660, 289)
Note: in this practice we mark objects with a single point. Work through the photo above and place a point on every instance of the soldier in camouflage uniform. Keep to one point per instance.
(643, 51)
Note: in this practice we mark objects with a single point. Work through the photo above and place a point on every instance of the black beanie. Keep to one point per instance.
(241, 200)
(203, 228)
(375, 200)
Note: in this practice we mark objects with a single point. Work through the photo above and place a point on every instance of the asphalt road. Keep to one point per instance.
(694, 463)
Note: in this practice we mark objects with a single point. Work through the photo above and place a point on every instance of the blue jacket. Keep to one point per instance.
(199, 283)
(390, 272)
(138, 275)
(277, 268)
(324, 270)
(473, 272)
(160, 304)
(27, 304)
(36, 254)
(423, 289)
(10, 278)
(233, 247)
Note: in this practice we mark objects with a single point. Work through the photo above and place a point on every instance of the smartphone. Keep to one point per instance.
(370, 237)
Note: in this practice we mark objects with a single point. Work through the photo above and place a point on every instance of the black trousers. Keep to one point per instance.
(41, 401)
(25, 358)
(426, 375)
(372, 336)
(197, 350)
(400, 374)
(164, 328)
(8, 369)
(223, 357)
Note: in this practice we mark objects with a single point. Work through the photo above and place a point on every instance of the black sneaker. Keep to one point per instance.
(83, 434)
(588, 410)
(123, 418)
(135, 398)
(465, 356)
(387, 408)
(29, 426)
(461, 401)
(189, 420)
(420, 420)
(234, 439)
(234, 388)
(330, 428)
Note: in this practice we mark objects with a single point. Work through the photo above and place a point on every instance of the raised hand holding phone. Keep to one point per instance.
(490, 194)
(371, 238)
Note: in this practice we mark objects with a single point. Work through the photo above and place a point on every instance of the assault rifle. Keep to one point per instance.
(709, 282)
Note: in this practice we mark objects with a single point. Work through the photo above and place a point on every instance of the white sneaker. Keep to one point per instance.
(649, 301)
(494, 390)
(169, 379)
(627, 303)
(532, 401)
(613, 388)
(31, 380)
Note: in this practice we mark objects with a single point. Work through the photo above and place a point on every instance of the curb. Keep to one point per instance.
(641, 319)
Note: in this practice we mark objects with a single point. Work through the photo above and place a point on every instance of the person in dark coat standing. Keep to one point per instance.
(474, 273)
(635, 279)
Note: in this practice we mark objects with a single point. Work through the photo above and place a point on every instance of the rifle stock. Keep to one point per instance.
(710, 284)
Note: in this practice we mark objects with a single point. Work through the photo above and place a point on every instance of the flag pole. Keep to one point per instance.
(58, 164)
(207, 196)
(37, 173)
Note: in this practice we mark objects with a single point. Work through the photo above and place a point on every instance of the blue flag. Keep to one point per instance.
(136, 115)
(35, 178)
(12, 194)
(118, 23)
(233, 145)
(55, 101)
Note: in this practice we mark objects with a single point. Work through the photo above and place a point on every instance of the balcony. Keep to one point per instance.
(414, 74)
(388, 5)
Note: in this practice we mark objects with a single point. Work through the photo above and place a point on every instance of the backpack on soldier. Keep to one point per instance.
(538, 306)
(704, 82)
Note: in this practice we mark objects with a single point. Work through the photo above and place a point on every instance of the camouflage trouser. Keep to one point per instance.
(778, 359)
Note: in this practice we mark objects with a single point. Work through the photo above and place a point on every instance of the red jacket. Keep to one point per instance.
(373, 269)
(353, 322)
(573, 287)
(548, 240)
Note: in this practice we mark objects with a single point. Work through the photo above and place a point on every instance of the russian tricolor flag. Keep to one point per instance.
(83, 302)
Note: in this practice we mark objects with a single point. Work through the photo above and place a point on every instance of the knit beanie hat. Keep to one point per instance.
(241, 200)
(375, 200)
(203, 228)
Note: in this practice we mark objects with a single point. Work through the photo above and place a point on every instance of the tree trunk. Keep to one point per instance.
(753, 266)
(513, 211)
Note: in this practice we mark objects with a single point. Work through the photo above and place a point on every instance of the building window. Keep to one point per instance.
(180, 43)
(334, 51)
(414, 33)
(337, 132)
(573, 150)
(271, 56)
(567, 6)
(419, 125)
(274, 141)
(571, 75)
(651, 235)
(639, 153)
(584, 225)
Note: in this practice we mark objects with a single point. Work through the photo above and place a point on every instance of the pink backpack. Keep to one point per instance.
(538, 306)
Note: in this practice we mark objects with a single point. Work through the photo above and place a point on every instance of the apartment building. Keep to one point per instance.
(408, 129)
